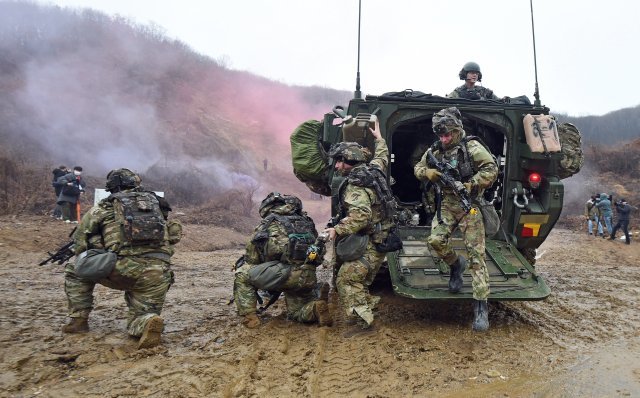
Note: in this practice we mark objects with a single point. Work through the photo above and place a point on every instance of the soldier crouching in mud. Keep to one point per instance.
(125, 243)
(477, 170)
(282, 256)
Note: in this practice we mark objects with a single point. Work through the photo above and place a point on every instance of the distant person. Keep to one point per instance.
(265, 164)
(57, 173)
(623, 210)
(472, 75)
(604, 206)
(277, 259)
(72, 186)
(591, 213)
(131, 253)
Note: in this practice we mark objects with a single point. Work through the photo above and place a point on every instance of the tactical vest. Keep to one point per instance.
(464, 164)
(475, 93)
(372, 177)
(137, 223)
(300, 230)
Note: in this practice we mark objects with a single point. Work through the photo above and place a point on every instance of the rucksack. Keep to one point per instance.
(300, 230)
(140, 217)
(571, 149)
(309, 159)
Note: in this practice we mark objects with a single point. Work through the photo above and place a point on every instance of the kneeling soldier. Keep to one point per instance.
(125, 242)
(282, 256)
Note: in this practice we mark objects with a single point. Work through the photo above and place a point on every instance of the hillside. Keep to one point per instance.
(82, 88)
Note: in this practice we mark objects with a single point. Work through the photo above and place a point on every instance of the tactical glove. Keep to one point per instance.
(468, 186)
(432, 174)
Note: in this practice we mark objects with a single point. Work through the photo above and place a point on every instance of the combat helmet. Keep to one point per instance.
(445, 120)
(120, 179)
(350, 152)
(470, 67)
(275, 202)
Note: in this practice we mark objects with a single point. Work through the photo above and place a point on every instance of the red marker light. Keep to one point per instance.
(534, 180)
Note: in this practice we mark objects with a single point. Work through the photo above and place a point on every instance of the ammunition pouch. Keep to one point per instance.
(95, 264)
(352, 247)
(269, 275)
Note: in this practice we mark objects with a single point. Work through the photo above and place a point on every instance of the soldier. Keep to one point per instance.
(130, 253)
(591, 213)
(282, 256)
(471, 74)
(477, 170)
(361, 213)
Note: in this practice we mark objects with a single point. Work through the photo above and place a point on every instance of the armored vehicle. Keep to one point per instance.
(527, 195)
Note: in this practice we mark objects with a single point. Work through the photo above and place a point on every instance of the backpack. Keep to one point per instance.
(300, 230)
(571, 149)
(140, 217)
(310, 161)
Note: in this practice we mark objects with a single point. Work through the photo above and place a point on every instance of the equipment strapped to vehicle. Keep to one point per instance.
(541, 133)
(572, 155)
(309, 159)
(140, 218)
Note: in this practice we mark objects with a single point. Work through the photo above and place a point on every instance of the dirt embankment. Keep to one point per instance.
(583, 340)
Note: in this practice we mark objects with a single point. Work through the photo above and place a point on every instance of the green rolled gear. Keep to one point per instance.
(309, 159)
(95, 264)
(269, 275)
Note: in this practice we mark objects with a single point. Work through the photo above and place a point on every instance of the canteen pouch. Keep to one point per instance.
(270, 275)
(391, 243)
(352, 247)
(95, 264)
(490, 217)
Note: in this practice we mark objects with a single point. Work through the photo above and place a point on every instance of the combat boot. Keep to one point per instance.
(480, 315)
(323, 315)
(76, 325)
(251, 321)
(455, 276)
(151, 332)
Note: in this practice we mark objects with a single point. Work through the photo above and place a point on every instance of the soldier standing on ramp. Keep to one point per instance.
(477, 170)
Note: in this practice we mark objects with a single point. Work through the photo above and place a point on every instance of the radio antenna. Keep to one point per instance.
(357, 94)
(535, 62)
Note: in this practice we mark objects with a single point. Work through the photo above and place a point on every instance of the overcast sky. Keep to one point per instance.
(587, 50)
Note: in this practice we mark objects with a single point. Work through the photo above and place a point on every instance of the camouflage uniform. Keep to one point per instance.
(474, 93)
(299, 288)
(142, 272)
(363, 211)
(471, 224)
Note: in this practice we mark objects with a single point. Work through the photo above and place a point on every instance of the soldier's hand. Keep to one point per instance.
(376, 131)
(432, 174)
(332, 234)
(468, 186)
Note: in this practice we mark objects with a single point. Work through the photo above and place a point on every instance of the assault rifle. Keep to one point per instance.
(449, 178)
(62, 255)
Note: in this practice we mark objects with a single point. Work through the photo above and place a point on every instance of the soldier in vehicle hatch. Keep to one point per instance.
(477, 170)
(471, 75)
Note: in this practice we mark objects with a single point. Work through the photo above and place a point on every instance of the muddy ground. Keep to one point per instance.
(584, 340)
